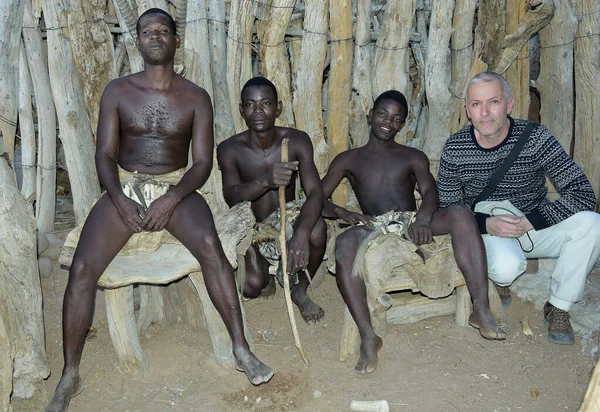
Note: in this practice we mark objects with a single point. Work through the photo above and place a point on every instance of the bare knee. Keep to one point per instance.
(346, 246)
(82, 277)
(461, 218)
(318, 237)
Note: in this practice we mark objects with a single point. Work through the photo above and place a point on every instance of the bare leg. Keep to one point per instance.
(103, 235)
(469, 252)
(258, 282)
(353, 290)
(192, 224)
(310, 311)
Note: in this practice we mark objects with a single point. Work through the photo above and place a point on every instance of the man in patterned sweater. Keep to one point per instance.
(517, 220)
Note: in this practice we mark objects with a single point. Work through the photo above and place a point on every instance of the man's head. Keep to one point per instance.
(488, 103)
(388, 115)
(260, 105)
(157, 36)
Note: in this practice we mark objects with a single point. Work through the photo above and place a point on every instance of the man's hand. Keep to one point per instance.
(420, 233)
(132, 213)
(298, 252)
(507, 226)
(281, 174)
(159, 212)
(354, 218)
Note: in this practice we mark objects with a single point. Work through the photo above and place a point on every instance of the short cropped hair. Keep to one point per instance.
(258, 82)
(155, 10)
(394, 95)
(487, 77)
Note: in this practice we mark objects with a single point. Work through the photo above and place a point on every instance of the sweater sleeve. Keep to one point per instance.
(449, 183)
(575, 190)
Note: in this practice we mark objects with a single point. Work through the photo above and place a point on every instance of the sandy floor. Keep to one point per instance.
(433, 365)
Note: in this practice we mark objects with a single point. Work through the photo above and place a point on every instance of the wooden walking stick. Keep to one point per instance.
(283, 245)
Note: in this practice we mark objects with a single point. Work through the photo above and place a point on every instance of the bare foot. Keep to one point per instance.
(310, 311)
(268, 291)
(256, 371)
(68, 387)
(483, 320)
(367, 363)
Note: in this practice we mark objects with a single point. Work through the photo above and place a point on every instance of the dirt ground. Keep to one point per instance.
(432, 365)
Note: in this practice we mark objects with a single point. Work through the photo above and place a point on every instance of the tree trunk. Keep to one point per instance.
(274, 62)
(20, 290)
(197, 48)
(441, 102)
(6, 368)
(93, 52)
(239, 55)
(308, 97)
(517, 74)
(11, 19)
(587, 84)
(75, 131)
(46, 122)
(555, 82)
(340, 81)
(182, 11)
(144, 5)
(26, 128)
(217, 31)
(362, 97)
(462, 45)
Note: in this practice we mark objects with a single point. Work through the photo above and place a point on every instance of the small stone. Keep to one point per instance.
(245, 398)
(45, 267)
(317, 394)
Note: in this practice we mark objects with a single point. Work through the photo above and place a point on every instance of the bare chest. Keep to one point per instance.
(162, 117)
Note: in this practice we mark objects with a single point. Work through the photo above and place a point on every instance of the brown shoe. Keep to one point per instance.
(505, 297)
(559, 325)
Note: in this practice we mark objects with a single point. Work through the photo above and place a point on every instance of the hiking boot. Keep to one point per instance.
(559, 325)
(505, 297)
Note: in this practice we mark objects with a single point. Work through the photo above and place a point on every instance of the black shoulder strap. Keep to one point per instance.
(501, 171)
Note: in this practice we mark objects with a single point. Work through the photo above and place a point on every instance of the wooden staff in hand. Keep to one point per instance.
(283, 245)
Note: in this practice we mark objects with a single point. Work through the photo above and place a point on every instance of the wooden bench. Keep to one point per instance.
(170, 262)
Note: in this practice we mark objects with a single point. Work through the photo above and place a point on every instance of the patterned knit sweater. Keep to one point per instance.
(466, 167)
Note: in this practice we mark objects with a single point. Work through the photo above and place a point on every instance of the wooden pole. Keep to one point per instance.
(283, 244)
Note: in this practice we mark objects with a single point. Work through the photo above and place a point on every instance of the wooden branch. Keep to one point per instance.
(182, 12)
(76, 134)
(274, 62)
(197, 56)
(462, 49)
(555, 82)
(591, 401)
(537, 17)
(239, 55)
(6, 368)
(11, 20)
(517, 74)
(93, 52)
(127, 20)
(587, 73)
(283, 247)
(340, 80)
(308, 98)
(26, 128)
(46, 122)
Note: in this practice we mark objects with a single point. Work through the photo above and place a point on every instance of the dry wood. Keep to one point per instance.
(182, 10)
(218, 63)
(11, 20)
(46, 122)
(369, 406)
(308, 96)
(340, 81)
(197, 48)
(75, 132)
(462, 45)
(26, 128)
(239, 55)
(20, 290)
(127, 20)
(591, 401)
(587, 84)
(6, 368)
(93, 52)
(143, 5)
(517, 73)
(283, 247)
(555, 82)
(274, 62)
(408, 308)
(152, 308)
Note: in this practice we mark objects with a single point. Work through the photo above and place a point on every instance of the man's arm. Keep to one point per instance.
(160, 211)
(420, 229)
(107, 144)
(235, 191)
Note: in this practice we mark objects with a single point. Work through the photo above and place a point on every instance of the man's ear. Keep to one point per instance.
(510, 104)
(369, 116)
(279, 108)
(241, 111)
(177, 41)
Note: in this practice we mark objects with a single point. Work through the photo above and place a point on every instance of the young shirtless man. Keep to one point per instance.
(147, 122)
(383, 175)
(252, 170)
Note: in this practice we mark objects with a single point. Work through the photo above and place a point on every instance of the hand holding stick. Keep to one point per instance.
(283, 245)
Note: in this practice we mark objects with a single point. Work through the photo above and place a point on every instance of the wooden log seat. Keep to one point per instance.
(169, 262)
(393, 296)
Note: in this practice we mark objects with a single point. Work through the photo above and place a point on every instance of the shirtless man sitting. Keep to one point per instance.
(146, 123)
(383, 175)
(252, 170)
